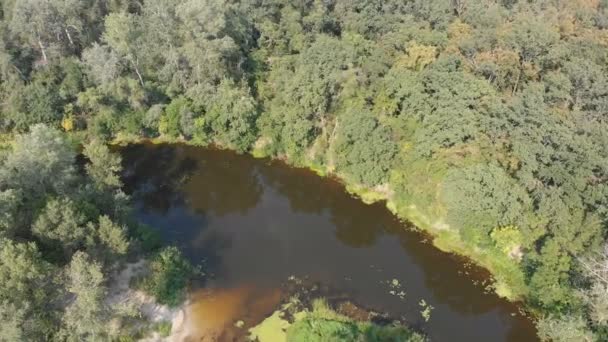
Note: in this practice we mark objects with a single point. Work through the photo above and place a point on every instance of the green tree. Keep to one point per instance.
(482, 197)
(124, 35)
(9, 203)
(25, 284)
(564, 329)
(113, 237)
(364, 149)
(86, 316)
(41, 163)
(62, 226)
(12, 322)
(104, 166)
(231, 116)
(102, 64)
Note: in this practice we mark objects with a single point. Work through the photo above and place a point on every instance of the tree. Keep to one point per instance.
(25, 284)
(231, 116)
(169, 123)
(53, 26)
(103, 64)
(12, 322)
(86, 316)
(41, 163)
(492, 200)
(104, 166)
(363, 149)
(564, 329)
(212, 32)
(124, 34)
(62, 226)
(113, 237)
(34, 103)
(595, 268)
(9, 203)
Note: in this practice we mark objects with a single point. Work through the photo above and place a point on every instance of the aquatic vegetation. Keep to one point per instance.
(321, 324)
(324, 324)
(426, 310)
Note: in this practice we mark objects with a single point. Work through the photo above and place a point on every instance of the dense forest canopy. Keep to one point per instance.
(487, 118)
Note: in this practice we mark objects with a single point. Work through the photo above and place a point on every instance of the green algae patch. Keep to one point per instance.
(322, 323)
(272, 329)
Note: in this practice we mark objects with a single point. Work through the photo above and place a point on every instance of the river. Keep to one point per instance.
(254, 224)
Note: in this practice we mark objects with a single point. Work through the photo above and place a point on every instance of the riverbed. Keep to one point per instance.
(256, 224)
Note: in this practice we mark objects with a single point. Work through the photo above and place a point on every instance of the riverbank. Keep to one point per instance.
(298, 312)
(506, 277)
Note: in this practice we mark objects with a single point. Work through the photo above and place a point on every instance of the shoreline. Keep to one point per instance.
(444, 239)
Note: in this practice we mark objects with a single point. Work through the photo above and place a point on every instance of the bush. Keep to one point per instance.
(163, 328)
(169, 275)
(324, 324)
(364, 149)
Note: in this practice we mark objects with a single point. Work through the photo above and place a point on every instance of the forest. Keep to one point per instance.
(485, 122)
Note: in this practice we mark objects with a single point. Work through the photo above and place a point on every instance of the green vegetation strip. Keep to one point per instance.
(323, 324)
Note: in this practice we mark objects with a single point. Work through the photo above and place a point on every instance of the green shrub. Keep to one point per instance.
(164, 328)
(323, 324)
(169, 275)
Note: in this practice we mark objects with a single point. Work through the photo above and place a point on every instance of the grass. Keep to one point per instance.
(323, 324)
(272, 329)
(163, 328)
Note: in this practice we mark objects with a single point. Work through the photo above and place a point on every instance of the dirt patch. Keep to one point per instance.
(122, 297)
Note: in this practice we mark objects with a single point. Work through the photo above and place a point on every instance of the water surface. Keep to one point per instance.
(255, 223)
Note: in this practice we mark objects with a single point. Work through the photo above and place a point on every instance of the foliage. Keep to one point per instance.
(169, 275)
(564, 329)
(104, 166)
(506, 238)
(61, 231)
(472, 114)
(164, 328)
(85, 317)
(323, 324)
(481, 197)
(364, 149)
(61, 225)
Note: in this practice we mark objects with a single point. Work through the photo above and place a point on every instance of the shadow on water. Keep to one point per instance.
(258, 222)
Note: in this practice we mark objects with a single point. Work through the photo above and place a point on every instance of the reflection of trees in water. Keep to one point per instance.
(223, 183)
(450, 278)
(356, 223)
(153, 175)
(212, 244)
(444, 276)
(211, 182)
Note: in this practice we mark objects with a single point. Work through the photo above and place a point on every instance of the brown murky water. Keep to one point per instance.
(253, 224)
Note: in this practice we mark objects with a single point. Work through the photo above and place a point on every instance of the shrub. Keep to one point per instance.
(169, 275)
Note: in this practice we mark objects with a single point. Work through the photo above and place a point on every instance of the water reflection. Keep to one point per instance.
(213, 313)
(157, 176)
(257, 222)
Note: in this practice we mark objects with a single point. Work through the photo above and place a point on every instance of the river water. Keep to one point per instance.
(256, 224)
